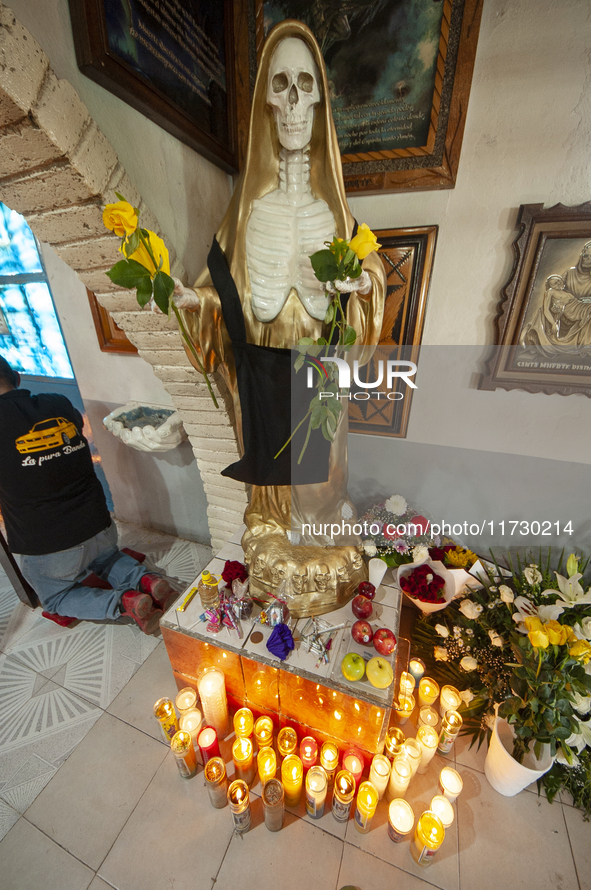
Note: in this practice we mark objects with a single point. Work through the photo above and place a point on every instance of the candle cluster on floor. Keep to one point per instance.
(289, 768)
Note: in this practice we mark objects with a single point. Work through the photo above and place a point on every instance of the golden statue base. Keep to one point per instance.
(317, 579)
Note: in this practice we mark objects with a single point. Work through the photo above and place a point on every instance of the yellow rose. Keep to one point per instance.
(581, 650)
(532, 622)
(159, 250)
(538, 639)
(556, 633)
(120, 218)
(364, 242)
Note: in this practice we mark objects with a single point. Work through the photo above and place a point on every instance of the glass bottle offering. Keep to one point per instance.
(429, 835)
(208, 591)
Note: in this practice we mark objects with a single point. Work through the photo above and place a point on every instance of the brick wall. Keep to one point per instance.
(58, 170)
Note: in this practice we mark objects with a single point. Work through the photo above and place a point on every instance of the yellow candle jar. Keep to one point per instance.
(216, 780)
(367, 801)
(329, 760)
(243, 723)
(379, 774)
(292, 776)
(343, 794)
(242, 755)
(429, 835)
(287, 741)
(449, 699)
(428, 691)
(403, 708)
(165, 714)
(263, 732)
(400, 776)
(181, 746)
(267, 764)
(394, 741)
(428, 739)
(239, 803)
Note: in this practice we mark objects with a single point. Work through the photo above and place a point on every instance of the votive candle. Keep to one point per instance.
(212, 692)
(379, 774)
(216, 780)
(428, 739)
(441, 806)
(316, 788)
(208, 743)
(450, 783)
(428, 716)
(165, 714)
(181, 746)
(343, 794)
(407, 683)
(400, 776)
(401, 820)
(191, 721)
(287, 741)
(308, 751)
(353, 761)
(239, 803)
(267, 764)
(429, 835)
(450, 727)
(394, 741)
(263, 732)
(413, 751)
(449, 699)
(367, 801)
(428, 691)
(186, 699)
(416, 668)
(273, 806)
(292, 776)
(242, 755)
(329, 760)
(243, 723)
(403, 708)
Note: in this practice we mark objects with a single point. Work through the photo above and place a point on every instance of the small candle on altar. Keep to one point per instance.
(329, 760)
(353, 761)
(401, 820)
(441, 806)
(416, 668)
(243, 723)
(400, 776)
(287, 741)
(429, 835)
(394, 741)
(449, 699)
(181, 746)
(428, 691)
(239, 803)
(292, 776)
(267, 764)
(191, 721)
(428, 716)
(208, 743)
(216, 780)
(212, 692)
(242, 755)
(186, 699)
(316, 788)
(379, 774)
(343, 794)
(165, 714)
(367, 801)
(407, 683)
(273, 807)
(450, 727)
(428, 738)
(308, 751)
(450, 783)
(263, 732)
(403, 708)
(414, 752)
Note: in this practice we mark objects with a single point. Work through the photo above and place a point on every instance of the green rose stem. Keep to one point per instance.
(293, 434)
(184, 332)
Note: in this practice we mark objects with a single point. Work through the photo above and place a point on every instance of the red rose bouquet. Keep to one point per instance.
(423, 584)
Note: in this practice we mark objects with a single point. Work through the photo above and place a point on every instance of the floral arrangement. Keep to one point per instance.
(145, 267)
(397, 533)
(423, 584)
(520, 646)
(453, 556)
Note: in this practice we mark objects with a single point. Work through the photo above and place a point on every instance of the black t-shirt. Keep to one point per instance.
(50, 496)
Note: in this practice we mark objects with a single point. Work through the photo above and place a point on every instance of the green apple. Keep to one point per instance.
(379, 672)
(353, 666)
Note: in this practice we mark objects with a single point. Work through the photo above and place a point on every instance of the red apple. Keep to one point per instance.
(362, 607)
(362, 632)
(367, 589)
(384, 641)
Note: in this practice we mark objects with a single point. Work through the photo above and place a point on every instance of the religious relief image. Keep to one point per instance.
(557, 325)
(381, 62)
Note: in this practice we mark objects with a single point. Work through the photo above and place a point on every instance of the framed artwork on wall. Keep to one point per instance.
(544, 315)
(184, 65)
(400, 75)
(110, 337)
(407, 255)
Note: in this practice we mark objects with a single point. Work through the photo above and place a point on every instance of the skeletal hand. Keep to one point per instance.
(350, 285)
(184, 297)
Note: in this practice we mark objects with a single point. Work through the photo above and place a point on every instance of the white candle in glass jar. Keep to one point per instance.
(407, 683)
(428, 691)
(450, 783)
(413, 751)
(379, 774)
(428, 739)
(400, 776)
(441, 806)
(401, 820)
(186, 699)
(212, 692)
(449, 699)
(191, 721)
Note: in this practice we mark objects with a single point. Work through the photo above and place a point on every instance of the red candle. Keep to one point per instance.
(309, 751)
(353, 761)
(208, 743)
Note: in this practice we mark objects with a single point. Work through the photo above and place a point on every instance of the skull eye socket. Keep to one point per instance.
(305, 82)
(279, 82)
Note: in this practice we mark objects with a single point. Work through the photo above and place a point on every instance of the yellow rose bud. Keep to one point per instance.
(570, 634)
(532, 622)
(364, 242)
(556, 633)
(159, 250)
(581, 650)
(120, 218)
(538, 639)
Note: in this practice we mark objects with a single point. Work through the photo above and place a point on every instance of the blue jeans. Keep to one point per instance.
(56, 577)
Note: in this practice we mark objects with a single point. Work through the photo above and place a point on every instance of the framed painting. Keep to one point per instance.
(110, 337)
(407, 255)
(399, 74)
(544, 315)
(183, 65)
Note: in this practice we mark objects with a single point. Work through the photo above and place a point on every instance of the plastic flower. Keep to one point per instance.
(506, 594)
(470, 610)
(159, 250)
(396, 504)
(468, 663)
(581, 650)
(532, 574)
(440, 653)
(570, 590)
(364, 242)
(442, 630)
(120, 218)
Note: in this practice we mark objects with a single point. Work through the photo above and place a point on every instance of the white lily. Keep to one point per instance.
(585, 731)
(561, 758)
(550, 613)
(581, 703)
(570, 590)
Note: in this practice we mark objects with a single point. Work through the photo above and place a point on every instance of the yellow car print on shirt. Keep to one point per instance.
(47, 434)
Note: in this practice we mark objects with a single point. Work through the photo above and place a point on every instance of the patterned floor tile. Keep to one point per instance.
(8, 817)
(183, 560)
(15, 617)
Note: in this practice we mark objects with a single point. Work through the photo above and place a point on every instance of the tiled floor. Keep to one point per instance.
(90, 797)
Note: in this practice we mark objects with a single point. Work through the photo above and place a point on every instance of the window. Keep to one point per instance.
(31, 339)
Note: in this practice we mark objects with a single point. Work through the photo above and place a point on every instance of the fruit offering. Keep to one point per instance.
(366, 588)
(362, 606)
(379, 672)
(362, 632)
(353, 666)
(384, 641)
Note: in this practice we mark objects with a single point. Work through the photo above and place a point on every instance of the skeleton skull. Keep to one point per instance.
(293, 91)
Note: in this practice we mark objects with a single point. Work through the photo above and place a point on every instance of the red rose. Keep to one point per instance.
(234, 569)
(417, 585)
(421, 523)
